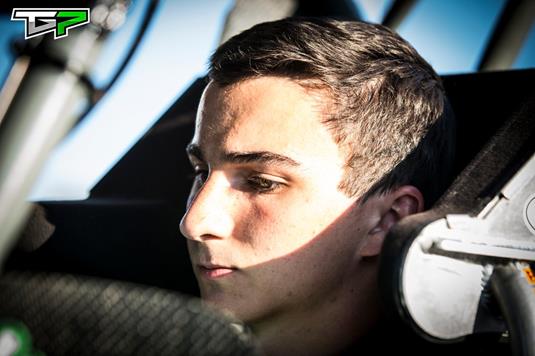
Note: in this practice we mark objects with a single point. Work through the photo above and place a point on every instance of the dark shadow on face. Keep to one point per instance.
(322, 282)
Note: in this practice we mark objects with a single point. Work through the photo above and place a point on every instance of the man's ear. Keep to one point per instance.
(392, 207)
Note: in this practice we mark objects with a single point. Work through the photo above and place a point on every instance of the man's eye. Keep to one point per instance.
(263, 185)
(200, 173)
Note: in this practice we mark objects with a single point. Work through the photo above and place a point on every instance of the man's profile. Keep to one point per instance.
(313, 138)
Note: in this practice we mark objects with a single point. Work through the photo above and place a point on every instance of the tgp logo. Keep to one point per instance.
(45, 20)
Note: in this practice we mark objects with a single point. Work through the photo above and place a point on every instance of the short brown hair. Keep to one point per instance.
(390, 116)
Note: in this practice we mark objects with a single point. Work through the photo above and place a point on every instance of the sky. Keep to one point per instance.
(449, 34)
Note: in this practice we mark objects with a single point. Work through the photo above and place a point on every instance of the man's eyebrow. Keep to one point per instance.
(260, 157)
(246, 157)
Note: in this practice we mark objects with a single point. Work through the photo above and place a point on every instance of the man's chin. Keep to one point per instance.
(221, 301)
(237, 307)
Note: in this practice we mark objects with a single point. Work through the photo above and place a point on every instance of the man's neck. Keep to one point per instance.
(340, 321)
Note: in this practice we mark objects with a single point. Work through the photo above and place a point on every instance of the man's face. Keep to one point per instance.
(268, 230)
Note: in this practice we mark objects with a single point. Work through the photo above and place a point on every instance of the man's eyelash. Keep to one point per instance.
(263, 185)
(197, 171)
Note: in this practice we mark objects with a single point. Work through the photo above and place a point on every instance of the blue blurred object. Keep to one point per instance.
(118, 44)
(172, 54)
(373, 10)
(451, 35)
(9, 32)
(526, 57)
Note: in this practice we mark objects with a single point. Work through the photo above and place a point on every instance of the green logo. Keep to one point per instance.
(45, 20)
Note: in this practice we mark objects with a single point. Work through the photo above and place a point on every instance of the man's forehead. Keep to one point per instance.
(268, 114)
(255, 95)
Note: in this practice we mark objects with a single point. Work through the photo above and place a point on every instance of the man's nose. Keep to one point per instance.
(209, 213)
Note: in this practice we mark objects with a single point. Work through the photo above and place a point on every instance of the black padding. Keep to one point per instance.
(495, 134)
(71, 315)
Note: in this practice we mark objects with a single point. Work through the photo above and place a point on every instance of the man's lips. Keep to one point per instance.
(215, 271)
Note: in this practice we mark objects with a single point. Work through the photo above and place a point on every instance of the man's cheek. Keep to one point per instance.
(192, 250)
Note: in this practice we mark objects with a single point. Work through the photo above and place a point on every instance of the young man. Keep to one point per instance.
(309, 146)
